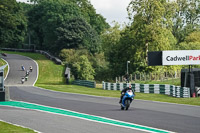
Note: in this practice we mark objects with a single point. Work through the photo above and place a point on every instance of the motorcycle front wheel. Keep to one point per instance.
(127, 103)
(122, 108)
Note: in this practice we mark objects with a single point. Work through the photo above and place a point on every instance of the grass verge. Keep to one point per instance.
(2, 62)
(51, 77)
(49, 72)
(9, 128)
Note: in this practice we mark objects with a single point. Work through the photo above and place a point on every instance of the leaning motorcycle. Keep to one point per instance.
(127, 99)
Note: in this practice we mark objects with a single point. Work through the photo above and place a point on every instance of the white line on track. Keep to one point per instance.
(8, 68)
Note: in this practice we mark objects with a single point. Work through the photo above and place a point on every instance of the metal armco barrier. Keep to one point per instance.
(49, 56)
(172, 90)
(91, 84)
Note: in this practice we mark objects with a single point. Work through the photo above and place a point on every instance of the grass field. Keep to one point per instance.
(51, 77)
(9, 128)
(2, 62)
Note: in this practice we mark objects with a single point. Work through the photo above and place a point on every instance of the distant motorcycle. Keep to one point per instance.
(31, 69)
(3, 54)
(127, 99)
(23, 68)
(22, 80)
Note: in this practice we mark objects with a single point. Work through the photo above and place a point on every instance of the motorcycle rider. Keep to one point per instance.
(126, 77)
(23, 68)
(22, 80)
(26, 78)
(124, 91)
(27, 72)
(31, 68)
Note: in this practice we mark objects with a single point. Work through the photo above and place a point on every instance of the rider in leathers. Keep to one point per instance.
(124, 91)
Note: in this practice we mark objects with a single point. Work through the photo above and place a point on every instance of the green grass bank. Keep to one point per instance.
(9, 128)
(2, 62)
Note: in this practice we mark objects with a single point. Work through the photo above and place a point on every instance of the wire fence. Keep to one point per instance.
(149, 77)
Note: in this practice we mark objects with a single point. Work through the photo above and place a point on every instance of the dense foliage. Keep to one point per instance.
(85, 65)
(72, 30)
(12, 24)
(78, 34)
(154, 26)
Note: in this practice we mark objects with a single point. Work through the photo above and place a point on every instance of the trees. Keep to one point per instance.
(60, 24)
(150, 30)
(77, 33)
(84, 68)
(12, 24)
(78, 61)
(112, 50)
(72, 25)
(97, 21)
(192, 41)
(48, 15)
(151, 25)
(186, 18)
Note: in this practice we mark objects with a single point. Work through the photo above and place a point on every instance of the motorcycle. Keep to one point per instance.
(3, 54)
(31, 69)
(127, 99)
(23, 68)
(22, 80)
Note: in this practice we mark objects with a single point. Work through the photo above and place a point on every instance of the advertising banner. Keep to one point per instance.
(181, 57)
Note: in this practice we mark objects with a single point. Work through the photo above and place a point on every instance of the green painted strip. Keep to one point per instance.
(79, 115)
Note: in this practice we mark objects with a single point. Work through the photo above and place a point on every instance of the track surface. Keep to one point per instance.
(173, 117)
(16, 73)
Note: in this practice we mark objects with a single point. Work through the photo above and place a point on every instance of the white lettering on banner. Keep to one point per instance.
(181, 57)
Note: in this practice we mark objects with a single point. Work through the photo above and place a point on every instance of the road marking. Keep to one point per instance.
(8, 69)
(98, 119)
(37, 69)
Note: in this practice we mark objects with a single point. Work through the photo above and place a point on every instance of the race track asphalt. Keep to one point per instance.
(51, 123)
(172, 117)
(15, 73)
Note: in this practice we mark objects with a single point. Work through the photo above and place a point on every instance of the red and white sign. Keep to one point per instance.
(181, 57)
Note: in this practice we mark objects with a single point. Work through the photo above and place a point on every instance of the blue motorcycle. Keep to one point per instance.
(127, 99)
(23, 68)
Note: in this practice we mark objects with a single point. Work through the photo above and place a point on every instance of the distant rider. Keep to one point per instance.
(126, 77)
(124, 91)
(22, 80)
(31, 68)
(23, 68)
(26, 78)
(27, 72)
